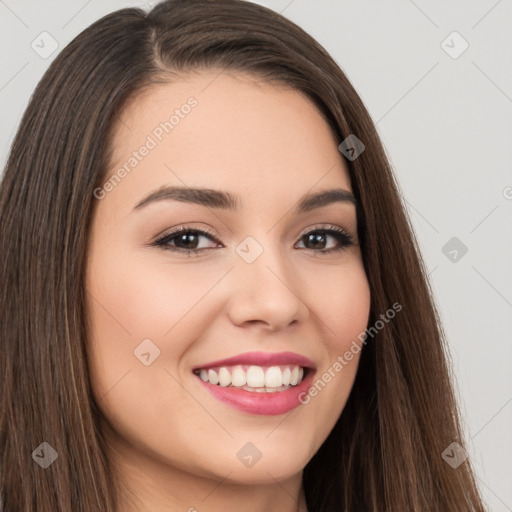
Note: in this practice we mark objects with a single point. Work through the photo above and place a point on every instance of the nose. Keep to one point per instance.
(266, 292)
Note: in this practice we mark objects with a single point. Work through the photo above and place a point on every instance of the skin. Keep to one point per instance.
(174, 445)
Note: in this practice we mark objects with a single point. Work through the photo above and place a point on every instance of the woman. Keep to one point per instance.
(212, 296)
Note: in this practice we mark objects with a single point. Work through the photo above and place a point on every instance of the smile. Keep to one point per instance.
(259, 379)
(257, 382)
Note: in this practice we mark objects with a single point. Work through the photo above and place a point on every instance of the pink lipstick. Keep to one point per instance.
(258, 382)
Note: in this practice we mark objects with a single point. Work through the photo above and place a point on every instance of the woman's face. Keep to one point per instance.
(264, 285)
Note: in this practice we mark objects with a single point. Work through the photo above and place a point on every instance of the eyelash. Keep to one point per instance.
(344, 239)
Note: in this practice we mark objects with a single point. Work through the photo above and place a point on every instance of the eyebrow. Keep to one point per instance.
(227, 201)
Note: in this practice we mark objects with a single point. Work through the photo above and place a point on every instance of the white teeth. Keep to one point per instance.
(273, 377)
(287, 375)
(224, 377)
(254, 378)
(238, 378)
(213, 377)
(266, 390)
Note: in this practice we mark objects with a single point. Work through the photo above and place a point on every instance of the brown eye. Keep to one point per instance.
(317, 239)
(184, 240)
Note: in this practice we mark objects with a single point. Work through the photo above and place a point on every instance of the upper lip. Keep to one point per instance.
(261, 359)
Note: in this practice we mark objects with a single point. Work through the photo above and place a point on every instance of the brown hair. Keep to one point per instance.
(385, 452)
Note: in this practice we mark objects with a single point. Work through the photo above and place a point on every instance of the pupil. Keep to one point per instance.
(185, 238)
(317, 238)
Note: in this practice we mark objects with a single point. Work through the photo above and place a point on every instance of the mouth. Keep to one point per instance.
(257, 379)
(258, 382)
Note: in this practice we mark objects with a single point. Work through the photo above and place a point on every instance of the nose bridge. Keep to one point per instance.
(257, 253)
(265, 286)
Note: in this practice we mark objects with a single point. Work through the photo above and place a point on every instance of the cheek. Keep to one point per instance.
(134, 299)
(146, 299)
(342, 307)
(341, 301)
(131, 301)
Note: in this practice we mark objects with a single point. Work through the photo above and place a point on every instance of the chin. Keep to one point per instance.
(273, 465)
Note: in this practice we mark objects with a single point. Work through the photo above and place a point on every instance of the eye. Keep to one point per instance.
(187, 240)
(318, 238)
(184, 240)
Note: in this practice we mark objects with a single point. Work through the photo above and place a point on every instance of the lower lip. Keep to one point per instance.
(270, 404)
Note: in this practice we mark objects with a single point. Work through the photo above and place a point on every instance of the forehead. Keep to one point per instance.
(218, 129)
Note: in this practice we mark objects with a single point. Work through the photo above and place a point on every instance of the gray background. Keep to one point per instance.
(447, 126)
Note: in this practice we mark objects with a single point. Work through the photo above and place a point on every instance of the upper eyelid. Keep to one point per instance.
(185, 229)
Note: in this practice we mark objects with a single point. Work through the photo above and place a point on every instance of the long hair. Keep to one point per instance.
(385, 452)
